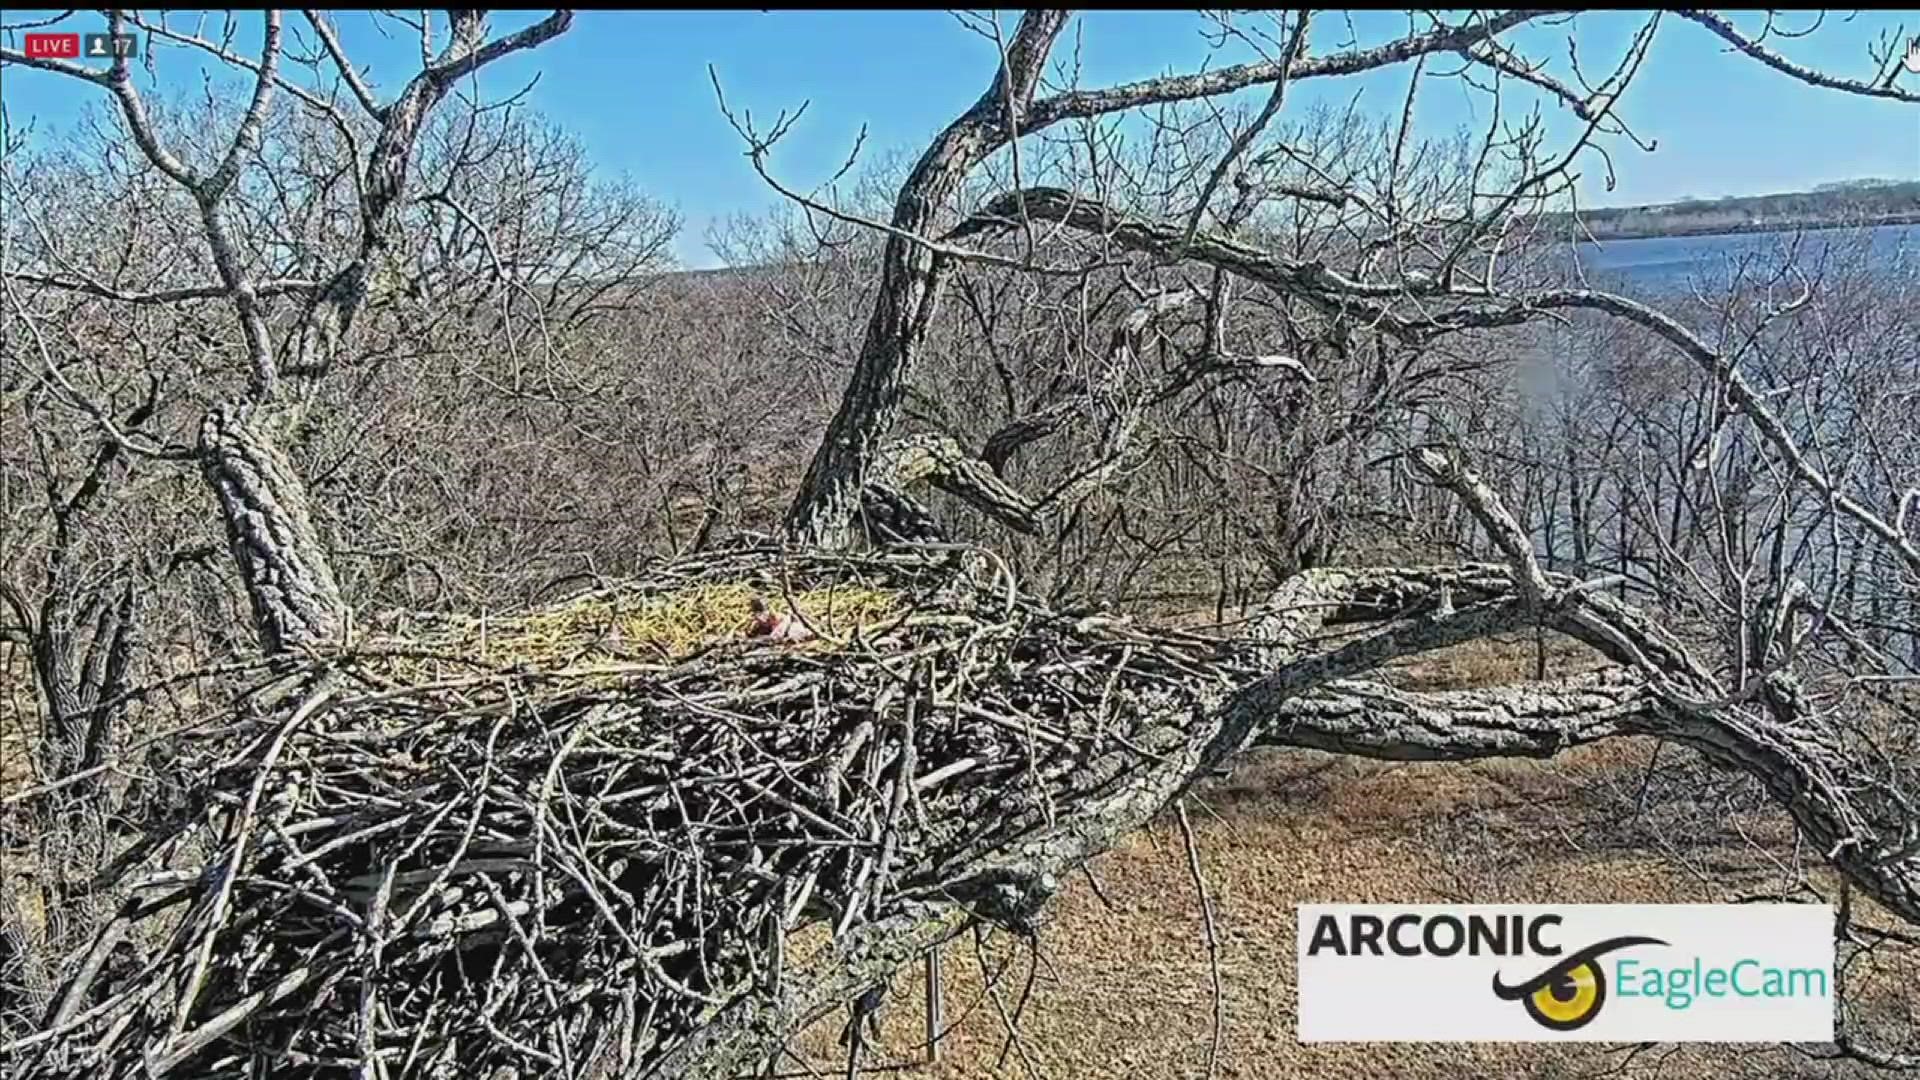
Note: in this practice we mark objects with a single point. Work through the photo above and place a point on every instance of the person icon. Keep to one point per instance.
(96, 45)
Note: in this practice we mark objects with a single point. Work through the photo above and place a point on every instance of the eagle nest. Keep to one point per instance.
(564, 842)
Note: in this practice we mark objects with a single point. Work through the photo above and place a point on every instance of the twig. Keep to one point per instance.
(1218, 1025)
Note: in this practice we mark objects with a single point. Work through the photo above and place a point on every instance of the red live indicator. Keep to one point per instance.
(53, 46)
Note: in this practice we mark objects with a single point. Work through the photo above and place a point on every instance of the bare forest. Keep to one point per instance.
(386, 518)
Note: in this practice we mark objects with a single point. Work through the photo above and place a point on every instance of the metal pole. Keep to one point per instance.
(934, 1003)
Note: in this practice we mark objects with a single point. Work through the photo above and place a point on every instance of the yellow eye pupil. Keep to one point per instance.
(1570, 1000)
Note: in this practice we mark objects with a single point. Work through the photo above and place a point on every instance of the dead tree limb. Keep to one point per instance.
(915, 264)
(1419, 308)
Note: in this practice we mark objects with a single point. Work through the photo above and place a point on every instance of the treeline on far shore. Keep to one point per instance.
(1850, 203)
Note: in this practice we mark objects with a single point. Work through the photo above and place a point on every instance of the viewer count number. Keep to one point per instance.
(108, 46)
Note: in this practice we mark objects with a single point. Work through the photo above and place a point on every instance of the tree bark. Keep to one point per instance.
(911, 279)
(79, 674)
(284, 567)
(289, 579)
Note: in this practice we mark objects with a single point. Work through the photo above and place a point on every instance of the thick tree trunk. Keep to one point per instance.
(912, 275)
(289, 580)
(830, 496)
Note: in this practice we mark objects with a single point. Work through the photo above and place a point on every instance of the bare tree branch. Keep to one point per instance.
(1725, 29)
(323, 28)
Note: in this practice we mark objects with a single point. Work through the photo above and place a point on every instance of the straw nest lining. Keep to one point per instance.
(640, 622)
(410, 865)
(672, 624)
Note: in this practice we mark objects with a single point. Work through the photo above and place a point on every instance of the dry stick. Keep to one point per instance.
(533, 958)
(125, 999)
(1087, 869)
(419, 1036)
(99, 1052)
(539, 807)
(372, 1066)
(787, 1051)
(1033, 974)
(1014, 1041)
(90, 969)
(55, 785)
(1646, 779)
(856, 1039)
(1213, 942)
(948, 1027)
(191, 989)
(776, 948)
(902, 786)
(467, 834)
(179, 1050)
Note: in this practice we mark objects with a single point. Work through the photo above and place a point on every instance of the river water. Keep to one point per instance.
(1663, 264)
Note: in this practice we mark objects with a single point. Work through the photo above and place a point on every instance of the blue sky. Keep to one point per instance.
(634, 87)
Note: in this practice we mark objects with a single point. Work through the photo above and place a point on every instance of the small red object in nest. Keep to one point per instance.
(768, 623)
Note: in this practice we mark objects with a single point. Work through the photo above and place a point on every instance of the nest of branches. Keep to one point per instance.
(566, 866)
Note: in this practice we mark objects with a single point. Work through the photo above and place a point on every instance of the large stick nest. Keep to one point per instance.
(561, 842)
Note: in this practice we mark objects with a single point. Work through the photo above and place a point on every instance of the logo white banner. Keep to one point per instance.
(1566, 973)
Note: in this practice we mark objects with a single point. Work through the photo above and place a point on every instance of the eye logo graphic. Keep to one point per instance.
(1682, 973)
(1568, 995)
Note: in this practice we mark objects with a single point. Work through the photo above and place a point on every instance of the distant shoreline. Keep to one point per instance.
(1690, 231)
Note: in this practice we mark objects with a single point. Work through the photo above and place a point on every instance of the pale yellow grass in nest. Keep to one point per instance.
(670, 625)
